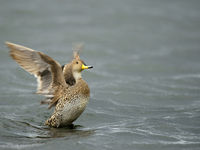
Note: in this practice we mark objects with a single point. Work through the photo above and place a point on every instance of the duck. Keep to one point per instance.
(63, 86)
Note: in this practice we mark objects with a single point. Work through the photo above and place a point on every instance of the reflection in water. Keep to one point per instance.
(26, 130)
(22, 134)
(69, 132)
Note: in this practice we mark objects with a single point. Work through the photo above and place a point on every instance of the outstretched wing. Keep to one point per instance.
(56, 70)
(58, 84)
(31, 61)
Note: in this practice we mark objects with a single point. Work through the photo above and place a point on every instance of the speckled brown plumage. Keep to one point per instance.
(65, 89)
(79, 91)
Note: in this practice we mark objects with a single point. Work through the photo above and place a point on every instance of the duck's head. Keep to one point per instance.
(78, 65)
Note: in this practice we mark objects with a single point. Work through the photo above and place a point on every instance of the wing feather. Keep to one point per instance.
(49, 73)
(31, 61)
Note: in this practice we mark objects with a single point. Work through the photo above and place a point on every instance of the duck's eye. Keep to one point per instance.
(77, 62)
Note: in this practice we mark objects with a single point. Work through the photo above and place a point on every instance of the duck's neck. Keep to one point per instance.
(77, 76)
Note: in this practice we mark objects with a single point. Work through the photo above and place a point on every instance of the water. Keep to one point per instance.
(145, 85)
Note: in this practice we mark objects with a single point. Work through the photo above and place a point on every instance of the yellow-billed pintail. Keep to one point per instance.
(63, 87)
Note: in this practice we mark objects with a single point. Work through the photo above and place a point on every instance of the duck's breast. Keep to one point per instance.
(73, 109)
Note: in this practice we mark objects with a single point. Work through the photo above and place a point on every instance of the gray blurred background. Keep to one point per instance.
(145, 84)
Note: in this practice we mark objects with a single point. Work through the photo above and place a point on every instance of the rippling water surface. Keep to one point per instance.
(145, 85)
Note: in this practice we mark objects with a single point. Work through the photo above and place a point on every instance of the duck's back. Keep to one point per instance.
(67, 71)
